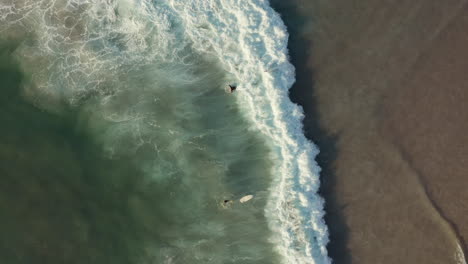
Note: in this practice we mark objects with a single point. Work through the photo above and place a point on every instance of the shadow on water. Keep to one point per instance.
(302, 93)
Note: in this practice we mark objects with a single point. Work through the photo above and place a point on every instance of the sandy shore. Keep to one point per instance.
(384, 87)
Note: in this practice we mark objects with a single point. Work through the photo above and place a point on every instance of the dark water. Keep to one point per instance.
(64, 200)
(60, 200)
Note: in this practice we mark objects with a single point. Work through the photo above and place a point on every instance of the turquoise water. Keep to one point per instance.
(65, 200)
(120, 144)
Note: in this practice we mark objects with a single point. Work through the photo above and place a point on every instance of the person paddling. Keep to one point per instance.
(227, 203)
(232, 88)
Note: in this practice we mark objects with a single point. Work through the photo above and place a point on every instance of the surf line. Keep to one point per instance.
(462, 248)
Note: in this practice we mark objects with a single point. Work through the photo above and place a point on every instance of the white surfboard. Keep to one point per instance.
(246, 198)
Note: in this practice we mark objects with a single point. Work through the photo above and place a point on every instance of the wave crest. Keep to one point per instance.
(81, 45)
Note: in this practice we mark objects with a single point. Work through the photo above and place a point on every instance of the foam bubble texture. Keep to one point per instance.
(82, 44)
(250, 40)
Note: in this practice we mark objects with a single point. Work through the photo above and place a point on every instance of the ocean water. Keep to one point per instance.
(119, 142)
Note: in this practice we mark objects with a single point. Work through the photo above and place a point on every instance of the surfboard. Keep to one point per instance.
(246, 198)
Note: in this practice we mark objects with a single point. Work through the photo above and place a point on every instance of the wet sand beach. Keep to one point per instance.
(384, 89)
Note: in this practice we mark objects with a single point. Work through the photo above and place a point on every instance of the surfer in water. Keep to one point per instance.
(232, 88)
(227, 203)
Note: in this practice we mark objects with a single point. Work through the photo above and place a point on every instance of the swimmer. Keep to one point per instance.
(226, 203)
(232, 88)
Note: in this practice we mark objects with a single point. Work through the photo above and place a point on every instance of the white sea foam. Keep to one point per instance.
(84, 40)
(251, 41)
(459, 256)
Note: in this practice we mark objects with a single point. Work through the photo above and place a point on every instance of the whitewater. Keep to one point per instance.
(93, 56)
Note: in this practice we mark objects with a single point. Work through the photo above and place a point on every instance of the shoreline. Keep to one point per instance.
(313, 130)
(383, 91)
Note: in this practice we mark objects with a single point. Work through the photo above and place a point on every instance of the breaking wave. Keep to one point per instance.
(85, 49)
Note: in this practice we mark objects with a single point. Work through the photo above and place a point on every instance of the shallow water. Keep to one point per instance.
(126, 143)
